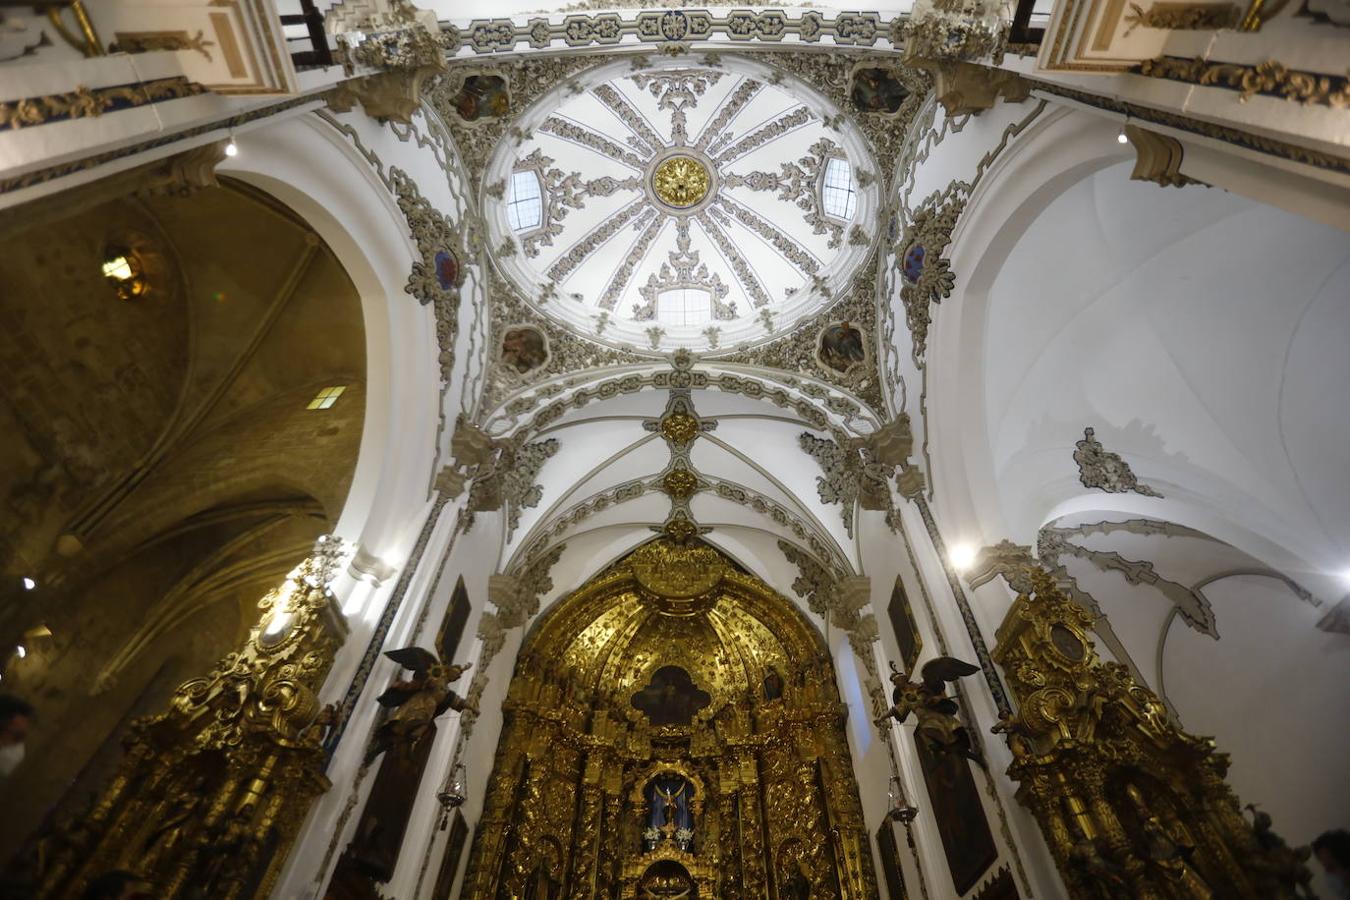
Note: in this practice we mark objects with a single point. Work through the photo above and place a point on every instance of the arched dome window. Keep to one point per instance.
(684, 306)
(524, 202)
(837, 194)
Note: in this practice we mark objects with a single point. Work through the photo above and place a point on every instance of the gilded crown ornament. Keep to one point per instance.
(681, 181)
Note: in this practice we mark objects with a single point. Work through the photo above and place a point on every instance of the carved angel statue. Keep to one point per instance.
(417, 701)
(935, 711)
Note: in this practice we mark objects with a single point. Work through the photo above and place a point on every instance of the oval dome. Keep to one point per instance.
(707, 202)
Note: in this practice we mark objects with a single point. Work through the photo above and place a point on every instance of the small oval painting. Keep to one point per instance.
(841, 346)
(524, 348)
(447, 269)
(912, 264)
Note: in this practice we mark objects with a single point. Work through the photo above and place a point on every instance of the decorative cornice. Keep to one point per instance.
(1266, 79)
(672, 27)
(85, 103)
(1237, 137)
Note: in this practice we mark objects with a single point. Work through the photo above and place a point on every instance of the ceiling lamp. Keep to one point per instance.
(28, 583)
(123, 270)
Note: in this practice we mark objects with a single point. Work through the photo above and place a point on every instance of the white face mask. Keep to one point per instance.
(10, 757)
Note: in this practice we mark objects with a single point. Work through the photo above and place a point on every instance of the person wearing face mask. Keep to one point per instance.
(16, 716)
(1332, 849)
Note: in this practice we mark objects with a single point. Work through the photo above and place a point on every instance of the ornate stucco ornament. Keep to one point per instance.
(1100, 468)
(395, 38)
(679, 425)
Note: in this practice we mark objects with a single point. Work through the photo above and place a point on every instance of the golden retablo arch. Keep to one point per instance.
(670, 732)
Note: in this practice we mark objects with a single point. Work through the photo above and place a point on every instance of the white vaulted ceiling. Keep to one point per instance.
(752, 449)
(1202, 335)
(609, 251)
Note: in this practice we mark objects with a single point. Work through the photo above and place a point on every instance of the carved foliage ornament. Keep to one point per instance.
(926, 276)
(1099, 468)
(1269, 78)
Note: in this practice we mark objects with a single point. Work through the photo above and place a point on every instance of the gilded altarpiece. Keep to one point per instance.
(672, 730)
(1130, 805)
(212, 792)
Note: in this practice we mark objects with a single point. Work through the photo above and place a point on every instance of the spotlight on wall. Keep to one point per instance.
(962, 556)
(123, 271)
(28, 583)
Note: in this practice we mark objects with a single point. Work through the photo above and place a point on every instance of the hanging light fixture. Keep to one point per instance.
(452, 795)
(123, 270)
(900, 810)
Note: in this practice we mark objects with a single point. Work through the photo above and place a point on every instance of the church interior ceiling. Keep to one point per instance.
(773, 264)
(162, 465)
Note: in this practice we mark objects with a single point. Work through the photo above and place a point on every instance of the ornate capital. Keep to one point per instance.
(963, 87)
(392, 36)
(1157, 158)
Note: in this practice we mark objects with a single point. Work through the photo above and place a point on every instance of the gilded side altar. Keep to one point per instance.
(1130, 805)
(212, 792)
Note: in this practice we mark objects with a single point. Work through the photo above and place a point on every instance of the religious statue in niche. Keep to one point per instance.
(794, 876)
(482, 97)
(841, 347)
(670, 816)
(1168, 849)
(671, 698)
(935, 711)
(773, 684)
(524, 348)
(878, 90)
(417, 701)
(541, 884)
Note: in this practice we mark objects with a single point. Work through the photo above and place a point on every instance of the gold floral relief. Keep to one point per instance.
(681, 181)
